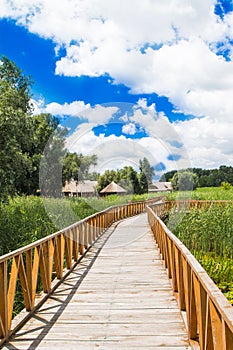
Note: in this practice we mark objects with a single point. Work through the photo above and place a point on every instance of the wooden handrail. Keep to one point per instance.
(209, 315)
(49, 258)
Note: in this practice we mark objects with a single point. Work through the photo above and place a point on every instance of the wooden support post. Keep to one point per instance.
(3, 300)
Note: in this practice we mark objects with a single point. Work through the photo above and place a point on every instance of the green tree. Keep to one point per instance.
(147, 169)
(226, 185)
(76, 166)
(15, 109)
(41, 128)
(106, 178)
(52, 163)
(184, 181)
(143, 182)
(129, 179)
(23, 136)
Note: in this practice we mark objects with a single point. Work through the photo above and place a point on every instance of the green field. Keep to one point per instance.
(204, 193)
(208, 234)
(24, 220)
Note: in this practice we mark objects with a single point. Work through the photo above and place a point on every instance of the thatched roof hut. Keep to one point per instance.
(160, 187)
(86, 188)
(113, 188)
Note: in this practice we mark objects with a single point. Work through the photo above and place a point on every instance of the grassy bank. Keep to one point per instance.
(24, 220)
(208, 234)
(204, 193)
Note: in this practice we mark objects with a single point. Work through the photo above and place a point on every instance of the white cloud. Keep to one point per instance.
(168, 47)
(72, 109)
(99, 114)
(207, 141)
(107, 36)
(129, 129)
(95, 115)
(115, 152)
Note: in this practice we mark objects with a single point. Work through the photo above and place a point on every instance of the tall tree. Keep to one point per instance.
(76, 166)
(184, 181)
(23, 136)
(147, 169)
(15, 108)
(129, 179)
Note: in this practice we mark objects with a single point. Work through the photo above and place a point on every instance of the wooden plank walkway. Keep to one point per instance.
(118, 297)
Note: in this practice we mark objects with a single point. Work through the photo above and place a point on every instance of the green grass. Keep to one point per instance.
(24, 220)
(208, 234)
(204, 193)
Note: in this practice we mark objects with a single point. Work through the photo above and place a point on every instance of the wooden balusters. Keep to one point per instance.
(48, 258)
(209, 315)
(3, 300)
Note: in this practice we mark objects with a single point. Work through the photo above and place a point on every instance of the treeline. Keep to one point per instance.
(206, 177)
(128, 178)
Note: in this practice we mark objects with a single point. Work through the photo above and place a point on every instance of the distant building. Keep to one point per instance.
(157, 186)
(85, 188)
(113, 188)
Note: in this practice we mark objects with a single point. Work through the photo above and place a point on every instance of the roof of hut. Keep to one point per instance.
(113, 188)
(86, 186)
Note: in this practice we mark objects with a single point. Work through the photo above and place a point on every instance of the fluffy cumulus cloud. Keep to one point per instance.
(72, 109)
(180, 49)
(129, 129)
(95, 115)
(114, 151)
(168, 47)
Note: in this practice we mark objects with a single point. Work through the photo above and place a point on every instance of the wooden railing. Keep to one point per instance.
(208, 314)
(49, 259)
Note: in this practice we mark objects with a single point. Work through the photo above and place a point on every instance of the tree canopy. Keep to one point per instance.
(129, 178)
(31, 145)
(206, 177)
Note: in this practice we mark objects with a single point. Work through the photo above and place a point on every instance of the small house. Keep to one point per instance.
(85, 188)
(157, 186)
(113, 188)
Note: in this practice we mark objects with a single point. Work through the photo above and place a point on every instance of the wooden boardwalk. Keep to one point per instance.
(117, 297)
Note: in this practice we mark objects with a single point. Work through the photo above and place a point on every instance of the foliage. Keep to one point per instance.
(146, 169)
(24, 220)
(207, 177)
(23, 136)
(107, 178)
(76, 166)
(184, 181)
(226, 186)
(128, 178)
(14, 108)
(143, 183)
(209, 236)
(205, 193)
(30, 144)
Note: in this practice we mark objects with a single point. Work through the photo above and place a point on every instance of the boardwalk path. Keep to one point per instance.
(118, 297)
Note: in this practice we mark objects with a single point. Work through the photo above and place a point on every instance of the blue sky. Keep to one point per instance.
(153, 80)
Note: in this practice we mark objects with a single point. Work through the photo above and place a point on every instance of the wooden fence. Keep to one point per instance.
(208, 314)
(49, 259)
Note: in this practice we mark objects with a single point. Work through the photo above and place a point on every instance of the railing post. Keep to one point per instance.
(59, 255)
(75, 236)
(3, 300)
(81, 238)
(32, 266)
(12, 288)
(68, 248)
